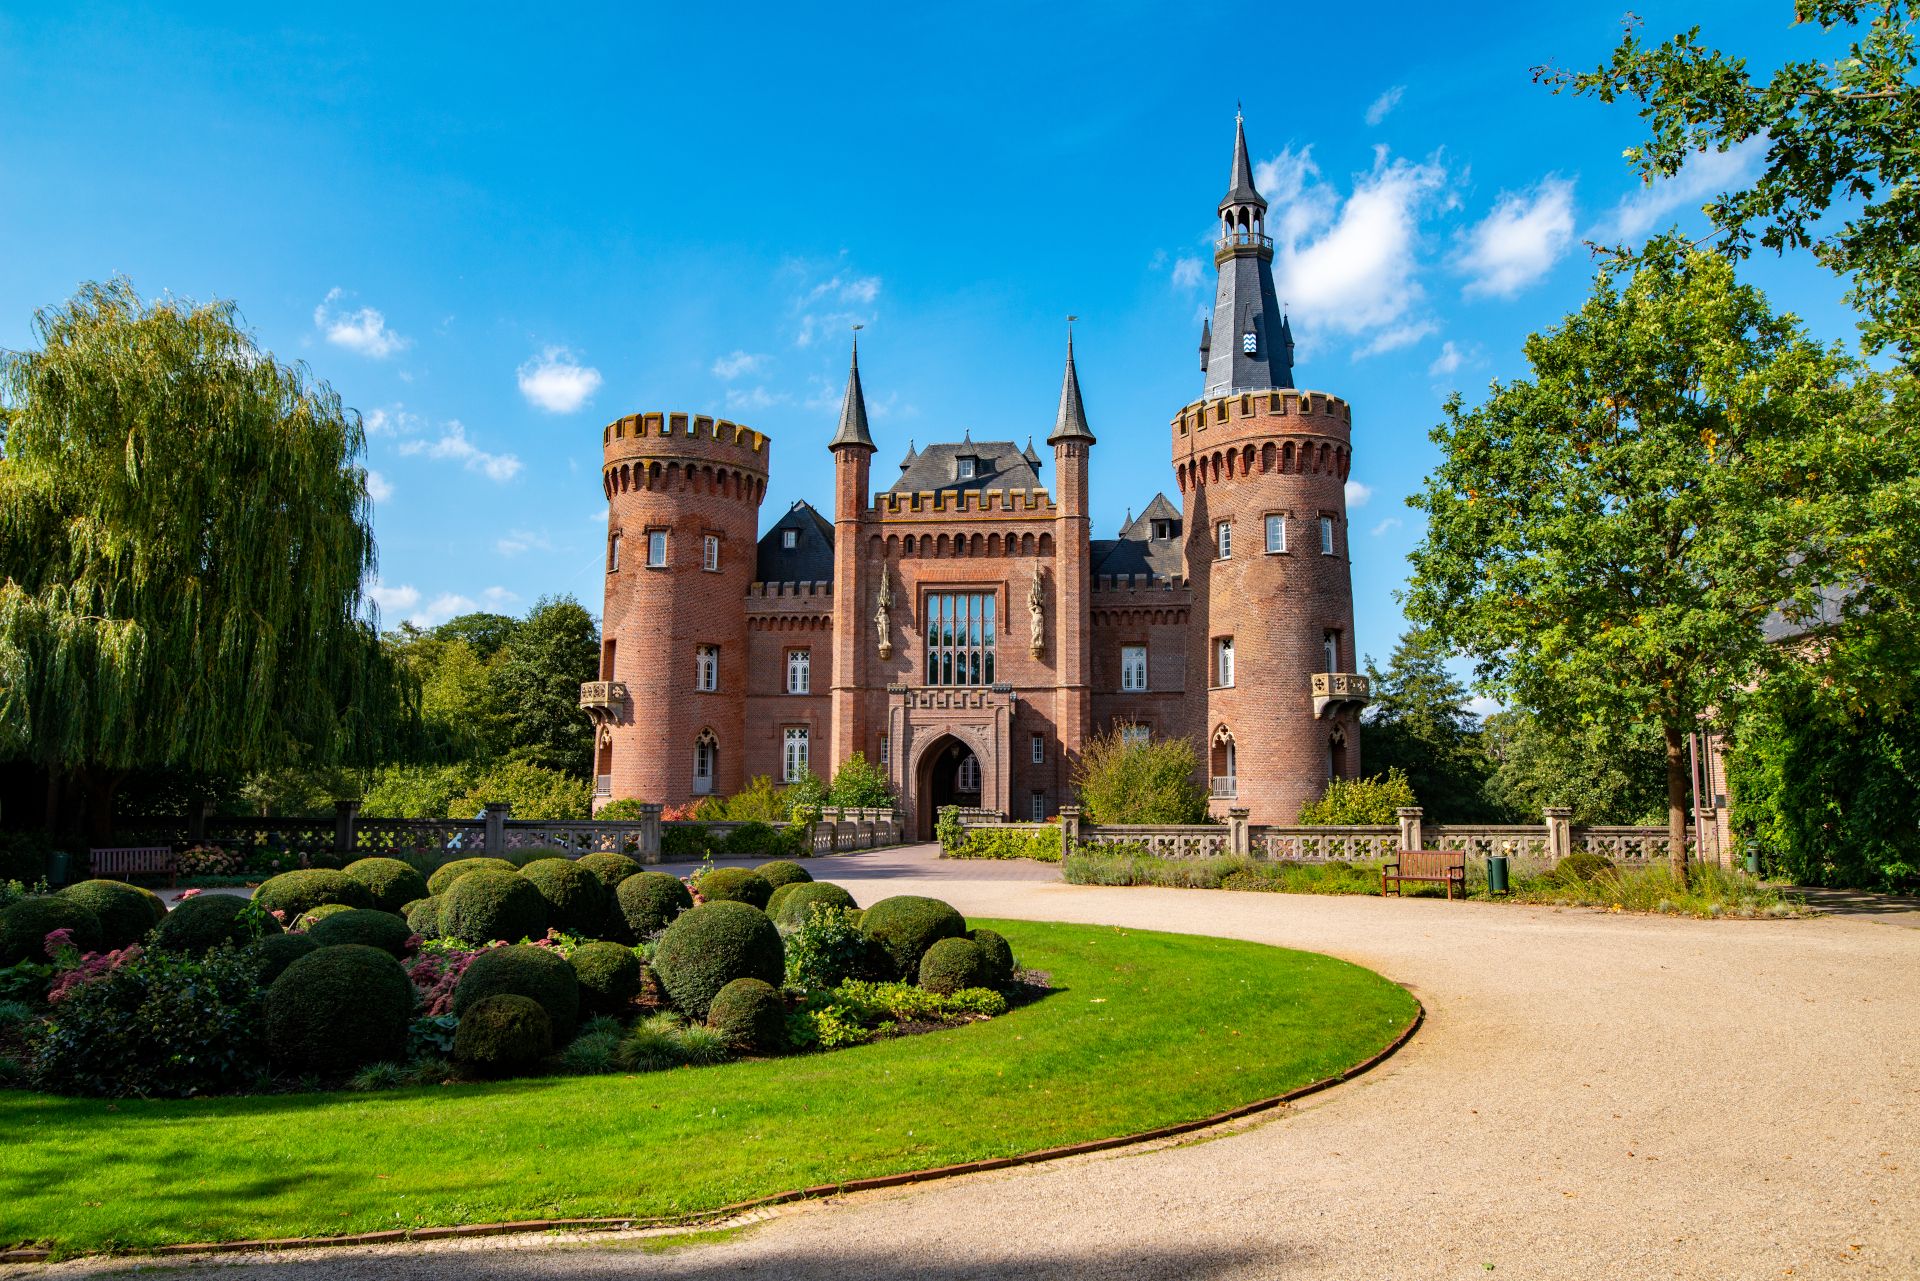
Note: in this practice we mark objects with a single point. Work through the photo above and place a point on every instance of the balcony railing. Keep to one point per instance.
(1238, 238)
(603, 785)
(1339, 691)
(1226, 786)
(603, 696)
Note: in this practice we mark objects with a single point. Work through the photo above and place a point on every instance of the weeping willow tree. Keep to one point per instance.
(184, 538)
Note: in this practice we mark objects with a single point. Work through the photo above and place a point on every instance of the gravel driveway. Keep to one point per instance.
(1593, 1096)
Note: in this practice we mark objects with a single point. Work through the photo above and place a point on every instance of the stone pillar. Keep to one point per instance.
(345, 813)
(1069, 829)
(649, 851)
(1706, 836)
(1237, 835)
(1559, 831)
(1411, 837)
(495, 842)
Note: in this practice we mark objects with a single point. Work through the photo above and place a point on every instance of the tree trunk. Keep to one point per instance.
(1678, 780)
(100, 787)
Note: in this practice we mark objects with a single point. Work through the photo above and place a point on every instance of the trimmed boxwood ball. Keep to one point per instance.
(532, 854)
(609, 869)
(750, 1016)
(782, 872)
(502, 1033)
(299, 892)
(273, 953)
(487, 905)
(709, 947)
(952, 964)
(576, 901)
(792, 911)
(649, 902)
(423, 918)
(385, 930)
(999, 954)
(735, 885)
(24, 927)
(321, 913)
(447, 873)
(199, 924)
(339, 1008)
(609, 976)
(538, 973)
(126, 911)
(392, 883)
(775, 899)
(906, 925)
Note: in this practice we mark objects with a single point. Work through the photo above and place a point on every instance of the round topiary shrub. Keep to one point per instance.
(126, 911)
(952, 964)
(486, 905)
(783, 872)
(337, 1009)
(798, 901)
(609, 976)
(272, 954)
(385, 930)
(447, 873)
(735, 885)
(294, 894)
(392, 883)
(199, 924)
(1583, 866)
(709, 947)
(906, 925)
(999, 954)
(503, 1033)
(750, 1016)
(532, 854)
(576, 901)
(24, 927)
(649, 902)
(538, 973)
(310, 919)
(609, 869)
(423, 918)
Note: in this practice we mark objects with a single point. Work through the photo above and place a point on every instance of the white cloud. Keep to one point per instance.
(442, 607)
(1358, 494)
(828, 304)
(394, 421)
(556, 382)
(499, 597)
(1520, 240)
(1706, 174)
(756, 397)
(1377, 110)
(522, 540)
(1395, 338)
(1186, 273)
(740, 362)
(1446, 362)
(396, 600)
(404, 600)
(453, 446)
(364, 331)
(599, 515)
(1390, 523)
(379, 488)
(1482, 706)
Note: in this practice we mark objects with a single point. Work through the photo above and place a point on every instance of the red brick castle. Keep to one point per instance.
(963, 627)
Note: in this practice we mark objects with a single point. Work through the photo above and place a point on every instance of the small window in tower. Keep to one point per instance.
(613, 552)
(1249, 342)
(1039, 810)
(1326, 535)
(1163, 529)
(1039, 748)
(656, 548)
(710, 552)
(1133, 668)
(1330, 651)
(886, 751)
(706, 668)
(799, 671)
(793, 756)
(967, 466)
(1223, 662)
(1223, 535)
(1276, 532)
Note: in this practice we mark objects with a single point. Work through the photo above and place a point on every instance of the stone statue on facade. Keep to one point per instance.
(882, 614)
(1037, 619)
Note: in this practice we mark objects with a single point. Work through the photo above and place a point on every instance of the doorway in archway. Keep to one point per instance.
(949, 775)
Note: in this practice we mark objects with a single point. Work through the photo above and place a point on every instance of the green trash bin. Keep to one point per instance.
(59, 865)
(1753, 862)
(1496, 873)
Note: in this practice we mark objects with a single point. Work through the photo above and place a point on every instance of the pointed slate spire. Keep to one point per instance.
(1241, 191)
(1206, 341)
(1030, 456)
(853, 410)
(912, 454)
(1071, 422)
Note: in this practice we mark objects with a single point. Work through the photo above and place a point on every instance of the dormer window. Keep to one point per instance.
(969, 468)
(789, 538)
(1162, 529)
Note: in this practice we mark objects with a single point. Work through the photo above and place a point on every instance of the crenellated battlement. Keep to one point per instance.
(1222, 411)
(954, 502)
(1138, 584)
(668, 426)
(672, 452)
(806, 590)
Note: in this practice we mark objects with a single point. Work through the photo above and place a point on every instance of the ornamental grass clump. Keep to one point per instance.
(538, 973)
(649, 902)
(503, 1033)
(665, 1041)
(126, 912)
(707, 948)
(488, 905)
(337, 1009)
(392, 883)
(576, 900)
(906, 925)
(291, 895)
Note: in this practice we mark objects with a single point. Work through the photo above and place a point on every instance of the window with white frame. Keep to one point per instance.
(789, 538)
(656, 548)
(967, 467)
(706, 668)
(799, 671)
(793, 756)
(1326, 535)
(1037, 746)
(886, 751)
(1223, 539)
(1330, 650)
(1039, 810)
(1223, 662)
(613, 551)
(1162, 529)
(1276, 532)
(1133, 668)
(960, 628)
(710, 552)
(1135, 735)
(706, 754)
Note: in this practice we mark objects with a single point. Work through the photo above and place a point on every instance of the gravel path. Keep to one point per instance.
(1593, 1096)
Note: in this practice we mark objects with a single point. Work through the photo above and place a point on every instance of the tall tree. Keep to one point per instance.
(183, 544)
(1419, 724)
(1606, 537)
(536, 687)
(1602, 774)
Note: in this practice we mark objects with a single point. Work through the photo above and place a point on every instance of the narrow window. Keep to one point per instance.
(606, 660)
(706, 668)
(613, 552)
(710, 552)
(706, 753)
(1038, 743)
(1133, 668)
(966, 468)
(1223, 662)
(886, 750)
(656, 548)
(1039, 811)
(1135, 735)
(799, 671)
(1326, 535)
(789, 538)
(1330, 649)
(967, 779)
(1223, 533)
(1276, 532)
(793, 759)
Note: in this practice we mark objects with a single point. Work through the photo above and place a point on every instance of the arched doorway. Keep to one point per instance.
(949, 774)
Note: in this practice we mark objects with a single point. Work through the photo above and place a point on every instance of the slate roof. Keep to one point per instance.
(810, 560)
(853, 409)
(1240, 190)
(1136, 551)
(999, 464)
(1070, 423)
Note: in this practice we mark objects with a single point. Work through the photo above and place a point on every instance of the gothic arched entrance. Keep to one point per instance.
(949, 774)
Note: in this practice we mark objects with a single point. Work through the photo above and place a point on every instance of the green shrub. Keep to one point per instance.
(952, 964)
(392, 883)
(780, 895)
(782, 872)
(861, 784)
(1360, 802)
(610, 869)
(1249, 879)
(384, 930)
(576, 901)
(1132, 865)
(337, 1009)
(753, 837)
(199, 924)
(609, 976)
(828, 948)
(423, 918)
(797, 901)
(310, 919)
(1041, 844)
(628, 809)
(735, 884)
(485, 906)
(126, 912)
(447, 873)
(682, 842)
(710, 946)
(539, 973)
(273, 953)
(998, 953)
(906, 925)
(750, 1017)
(294, 894)
(665, 1041)
(532, 791)
(24, 927)
(1582, 866)
(503, 1033)
(1118, 781)
(649, 902)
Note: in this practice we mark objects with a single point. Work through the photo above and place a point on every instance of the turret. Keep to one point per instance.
(1072, 443)
(1248, 346)
(852, 447)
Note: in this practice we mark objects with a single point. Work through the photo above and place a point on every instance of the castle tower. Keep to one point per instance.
(852, 448)
(683, 497)
(1072, 443)
(1262, 467)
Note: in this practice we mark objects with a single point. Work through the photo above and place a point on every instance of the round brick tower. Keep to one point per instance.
(683, 496)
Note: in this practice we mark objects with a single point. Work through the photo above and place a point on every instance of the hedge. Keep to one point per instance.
(999, 955)
(272, 954)
(502, 1033)
(609, 976)
(796, 902)
(576, 900)
(610, 869)
(749, 1015)
(736, 884)
(783, 872)
(385, 930)
(199, 924)
(488, 905)
(1041, 844)
(538, 973)
(24, 927)
(294, 894)
(649, 902)
(953, 964)
(906, 925)
(447, 873)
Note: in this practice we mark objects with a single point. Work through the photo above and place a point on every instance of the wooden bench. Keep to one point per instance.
(123, 862)
(1426, 867)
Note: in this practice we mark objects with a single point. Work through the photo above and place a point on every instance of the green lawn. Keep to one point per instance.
(1143, 1030)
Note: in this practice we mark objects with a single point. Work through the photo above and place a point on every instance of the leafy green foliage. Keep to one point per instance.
(826, 946)
(534, 791)
(750, 1017)
(791, 905)
(1134, 782)
(650, 901)
(536, 688)
(860, 783)
(339, 1008)
(783, 872)
(1602, 774)
(414, 791)
(576, 901)
(1042, 845)
(710, 946)
(291, 895)
(197, 925)
(609, 974)
(392, 884)
(1360, 802)
(738, 884)
(625, 809)
(610, 869)
(503, 1033)
(526, 969)
(271, 954)
(491, 906)
(666, 1040)
(1419, 725)
(126, 912)
(25, 924)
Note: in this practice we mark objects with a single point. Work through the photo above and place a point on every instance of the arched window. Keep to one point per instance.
(968, 777)
(706, 763)
(1336, 752)
(1225, 764)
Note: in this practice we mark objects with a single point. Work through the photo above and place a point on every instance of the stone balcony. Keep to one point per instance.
(603, 699)
(1337, 692)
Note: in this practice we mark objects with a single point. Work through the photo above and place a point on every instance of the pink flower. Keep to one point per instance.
(279, 914)
(187, 894)
(55, 940)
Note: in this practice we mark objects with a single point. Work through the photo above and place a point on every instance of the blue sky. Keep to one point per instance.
(494, 230)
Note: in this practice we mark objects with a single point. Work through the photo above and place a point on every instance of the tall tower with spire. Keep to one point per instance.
(1248, 346)
(1072, 443)
(852, 447)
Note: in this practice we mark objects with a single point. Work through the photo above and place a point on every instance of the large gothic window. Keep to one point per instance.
(960, 638)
